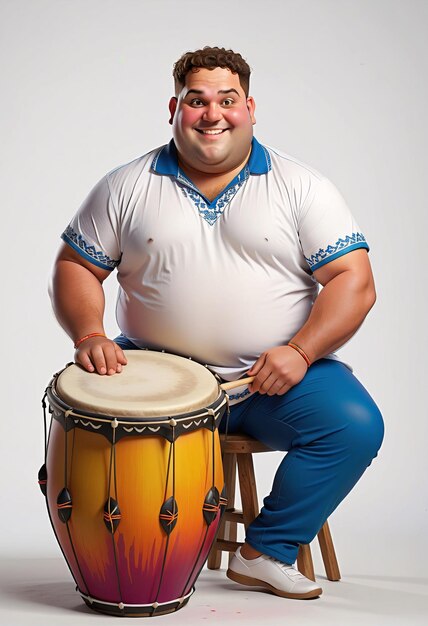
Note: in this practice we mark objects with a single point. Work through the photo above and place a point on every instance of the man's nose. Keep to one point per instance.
(212, 112)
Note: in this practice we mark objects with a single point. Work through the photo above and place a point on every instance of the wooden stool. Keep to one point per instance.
(237, 450)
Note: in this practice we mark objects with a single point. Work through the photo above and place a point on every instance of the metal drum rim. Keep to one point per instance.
(56, 401)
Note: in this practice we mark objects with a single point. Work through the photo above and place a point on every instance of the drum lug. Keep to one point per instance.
(43, 479)
(168, 515)
(64, 505)
(112, 515)
(211, 505)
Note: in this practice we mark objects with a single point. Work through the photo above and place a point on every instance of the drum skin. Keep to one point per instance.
(126, 567)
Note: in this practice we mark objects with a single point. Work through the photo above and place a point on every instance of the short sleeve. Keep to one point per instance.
(327, 228)
(94, 230)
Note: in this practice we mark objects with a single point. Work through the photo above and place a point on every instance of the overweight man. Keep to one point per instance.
(221, 245)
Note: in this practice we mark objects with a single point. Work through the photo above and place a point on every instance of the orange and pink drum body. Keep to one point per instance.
(135, 501)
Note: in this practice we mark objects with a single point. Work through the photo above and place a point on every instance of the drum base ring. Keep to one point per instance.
(135, 610)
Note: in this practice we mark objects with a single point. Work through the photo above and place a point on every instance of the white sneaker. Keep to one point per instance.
(265, 571)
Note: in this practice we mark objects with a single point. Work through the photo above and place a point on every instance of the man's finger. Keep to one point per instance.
(283, 390)
(98, 359)
(110, 358)
(268, 382)
(275, 387)
(255, 369)
(84, 360)
(120, 355)
(260, 379)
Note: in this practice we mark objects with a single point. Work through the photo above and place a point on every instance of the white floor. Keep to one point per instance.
(40, 592)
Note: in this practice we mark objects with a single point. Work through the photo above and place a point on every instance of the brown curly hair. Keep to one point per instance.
(211, 58)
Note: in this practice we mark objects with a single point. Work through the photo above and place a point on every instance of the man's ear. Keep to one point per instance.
(172, 108)
(251, 106)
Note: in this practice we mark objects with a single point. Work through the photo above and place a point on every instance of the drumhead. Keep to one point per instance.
(151, 384)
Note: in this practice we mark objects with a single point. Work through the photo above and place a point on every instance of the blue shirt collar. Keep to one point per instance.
(166, 160)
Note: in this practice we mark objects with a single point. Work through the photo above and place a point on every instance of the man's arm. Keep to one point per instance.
(347, 296)
(78, 301)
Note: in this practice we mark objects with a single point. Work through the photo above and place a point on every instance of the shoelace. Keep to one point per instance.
(289, 569)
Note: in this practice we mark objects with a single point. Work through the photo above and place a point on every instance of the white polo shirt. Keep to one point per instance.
(218, 281)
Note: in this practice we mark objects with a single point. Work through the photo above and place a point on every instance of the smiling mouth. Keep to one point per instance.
(214, 131)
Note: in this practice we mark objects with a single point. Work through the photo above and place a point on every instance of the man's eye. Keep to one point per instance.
(228, 101)
(196, 102)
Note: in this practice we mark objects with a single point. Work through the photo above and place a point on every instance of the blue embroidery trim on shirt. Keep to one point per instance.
(238, 396)
(210, 212)
(98, 256)
(341, 244)
(165, 162)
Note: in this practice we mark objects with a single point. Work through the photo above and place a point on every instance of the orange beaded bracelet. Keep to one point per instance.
(300, 351)
(82, 339)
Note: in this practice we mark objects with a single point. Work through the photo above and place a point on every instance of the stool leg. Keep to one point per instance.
(328, 553)
(231, 528)
(305, 564)
(248, 489)
(227, 530)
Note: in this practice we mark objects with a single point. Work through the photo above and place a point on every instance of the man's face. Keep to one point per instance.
(212, 121)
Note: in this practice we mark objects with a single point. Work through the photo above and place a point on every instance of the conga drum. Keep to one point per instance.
(133, 479)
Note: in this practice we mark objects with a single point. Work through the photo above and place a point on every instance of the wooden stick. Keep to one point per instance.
(237, 383)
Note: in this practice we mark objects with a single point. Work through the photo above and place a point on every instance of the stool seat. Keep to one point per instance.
(241, 444)
(237, 453)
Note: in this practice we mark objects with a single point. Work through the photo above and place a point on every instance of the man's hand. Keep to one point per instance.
(277, 370)
(101, 355)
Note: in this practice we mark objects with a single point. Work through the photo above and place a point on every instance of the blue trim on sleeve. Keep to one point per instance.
(88, 252)
(336, 255)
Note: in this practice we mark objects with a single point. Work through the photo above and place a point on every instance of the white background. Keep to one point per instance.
(339, 84)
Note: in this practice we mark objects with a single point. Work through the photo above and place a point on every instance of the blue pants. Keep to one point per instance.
(331, 429)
